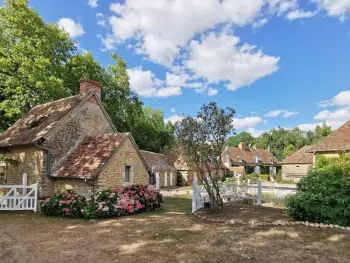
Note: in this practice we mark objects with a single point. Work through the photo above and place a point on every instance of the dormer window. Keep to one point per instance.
(37, 121)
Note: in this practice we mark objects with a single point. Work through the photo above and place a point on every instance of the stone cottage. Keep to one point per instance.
(71, 141)
(161, 166)
(297, 165)
(242, 160)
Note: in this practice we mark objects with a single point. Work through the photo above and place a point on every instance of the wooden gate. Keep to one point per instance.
(18, 197)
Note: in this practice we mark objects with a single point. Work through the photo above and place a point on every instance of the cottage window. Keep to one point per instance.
(2, 174)
(127, 173)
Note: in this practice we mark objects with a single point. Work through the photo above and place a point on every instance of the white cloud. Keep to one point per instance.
(71, 27)
(299, 14)
(305, 127)
(247, 122)
(334, 118)
(101, 19)
(260, 23)
(255, 132)
(172, 110)
(336, 8)
(218, 58)
(212, 92)
(173, 119)
(176, 79)
(284, 113)
(341, 99)
(93, 3)
(145, 83)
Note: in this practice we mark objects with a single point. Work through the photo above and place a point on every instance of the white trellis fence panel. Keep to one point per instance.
(231, 192)
(18, 197)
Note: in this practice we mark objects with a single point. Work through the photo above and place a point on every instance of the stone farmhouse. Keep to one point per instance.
(71, 141)
(243, 160)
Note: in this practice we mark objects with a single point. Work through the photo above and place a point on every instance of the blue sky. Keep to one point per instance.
(277, 62)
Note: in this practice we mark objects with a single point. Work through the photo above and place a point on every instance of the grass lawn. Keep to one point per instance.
(168, 235)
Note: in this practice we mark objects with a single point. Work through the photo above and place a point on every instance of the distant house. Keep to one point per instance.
(242, 160)
(336, 143)
(298, 164)
(161, 166)
(71, 141)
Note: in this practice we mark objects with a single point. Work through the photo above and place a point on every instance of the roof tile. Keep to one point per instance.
(302, 156)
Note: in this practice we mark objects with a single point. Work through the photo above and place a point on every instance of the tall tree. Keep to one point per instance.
(32, 59)
(244, 137)
(202, 138)
(321, 131)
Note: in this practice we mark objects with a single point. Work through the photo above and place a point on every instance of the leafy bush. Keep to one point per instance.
(64, 204)
(324, 195)
(105, 204)
(264, 177)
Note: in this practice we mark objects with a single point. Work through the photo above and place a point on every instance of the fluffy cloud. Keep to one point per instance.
(218, 58)
(93, 3)
(289, 8)
(145, 83)
(298, 14)
(336, 8)
(71, 27)
(255, 132)
(212, 92)
(284, 113)
(176, 79)
(172, 110)
(308, 126)
(173, 119)
(247, 122)
(334, 118)
(342, 99)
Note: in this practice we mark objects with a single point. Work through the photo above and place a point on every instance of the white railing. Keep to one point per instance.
(237, 191)
(18, 197)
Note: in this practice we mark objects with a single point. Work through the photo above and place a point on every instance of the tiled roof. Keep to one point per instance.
(159, 162)
(302, 156)
(87, 159)
(38, 122)
(248, 155)
(339, 140)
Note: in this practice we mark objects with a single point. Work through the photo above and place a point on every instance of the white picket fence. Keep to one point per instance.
(231, 192)
(19, 197)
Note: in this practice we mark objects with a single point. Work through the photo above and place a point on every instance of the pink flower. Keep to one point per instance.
(105, 209)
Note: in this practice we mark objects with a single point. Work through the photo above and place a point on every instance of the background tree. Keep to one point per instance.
(202, 138)
(32, 59)
(244, 137)
(320, 132)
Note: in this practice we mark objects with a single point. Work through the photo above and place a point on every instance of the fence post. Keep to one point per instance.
(276, 190)
(259, 192)
(194, 194)
(157, 181)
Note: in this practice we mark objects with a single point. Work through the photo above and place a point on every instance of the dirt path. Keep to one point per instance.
(163, 236)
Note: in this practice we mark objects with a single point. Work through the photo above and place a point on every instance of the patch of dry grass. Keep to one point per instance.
(170, 235)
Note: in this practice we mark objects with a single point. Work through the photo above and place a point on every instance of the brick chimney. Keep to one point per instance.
(241, 146)
(86, 85)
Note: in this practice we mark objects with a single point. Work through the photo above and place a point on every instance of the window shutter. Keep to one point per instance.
(123, 176)
(131, 174)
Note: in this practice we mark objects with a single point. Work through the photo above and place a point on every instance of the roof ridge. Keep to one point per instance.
(153, 152)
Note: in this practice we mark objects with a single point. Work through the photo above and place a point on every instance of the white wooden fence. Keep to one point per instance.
(19, 197)
(237, 191)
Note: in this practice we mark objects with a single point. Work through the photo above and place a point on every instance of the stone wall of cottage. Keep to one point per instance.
(32, 160)
(78, 185)
(112, 174)
(87, 120)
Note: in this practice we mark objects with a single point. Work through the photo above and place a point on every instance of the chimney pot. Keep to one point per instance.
(86, 85)
(242, 146)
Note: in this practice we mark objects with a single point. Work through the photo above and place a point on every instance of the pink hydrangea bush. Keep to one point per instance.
(104, 204)
(64, 204)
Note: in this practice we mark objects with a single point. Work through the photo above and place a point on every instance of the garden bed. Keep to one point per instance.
(246, 213)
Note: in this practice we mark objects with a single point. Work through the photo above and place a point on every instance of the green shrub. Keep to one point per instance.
(324, 195)
(64, 204)
(264, 177)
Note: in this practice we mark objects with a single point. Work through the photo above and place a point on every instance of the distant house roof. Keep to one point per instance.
(89, 157)
(159, 162)
(302, 156)
(339, 140)
(237, 155)
(38, 122)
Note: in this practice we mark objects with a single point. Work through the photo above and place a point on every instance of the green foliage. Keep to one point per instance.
(244, 137)
(264, 177)
(321, 131)
(324, 195)
(32, 59)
